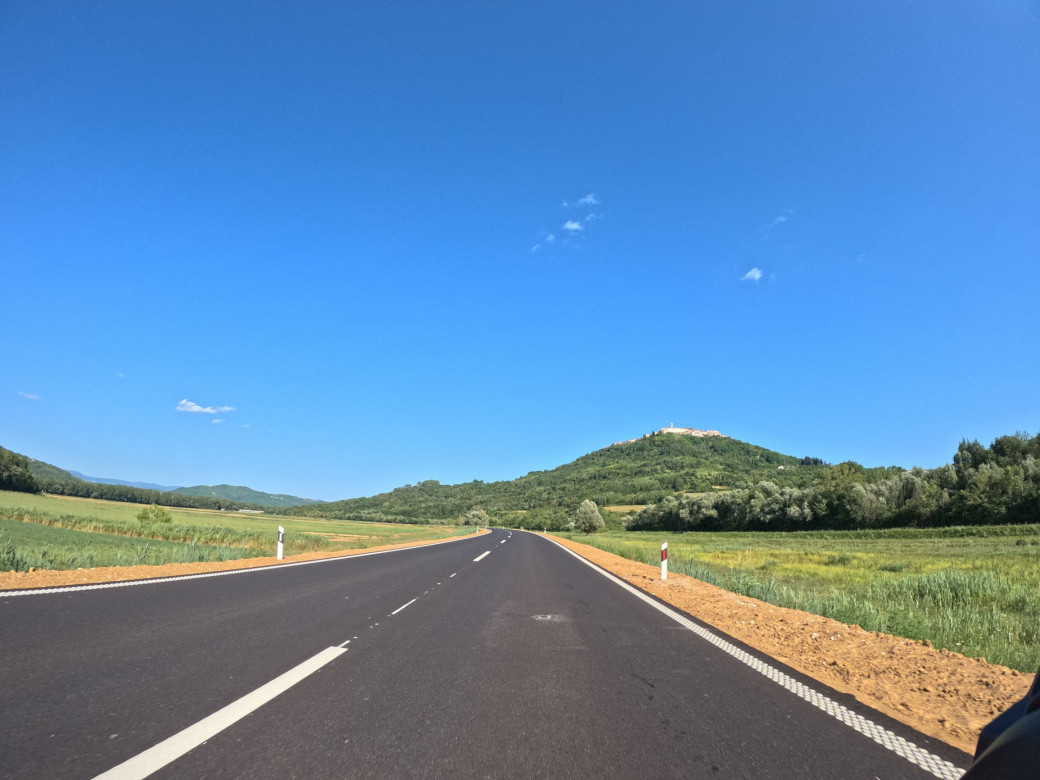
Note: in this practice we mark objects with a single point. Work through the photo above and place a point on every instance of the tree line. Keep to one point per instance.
(136, 495)
(983, 486)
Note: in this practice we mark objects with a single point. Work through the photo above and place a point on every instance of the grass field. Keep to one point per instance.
(61, 532)
(973, 590)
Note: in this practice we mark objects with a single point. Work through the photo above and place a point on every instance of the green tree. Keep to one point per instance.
(15, 473)
(154, 514)
(588, 519)
(476, 517)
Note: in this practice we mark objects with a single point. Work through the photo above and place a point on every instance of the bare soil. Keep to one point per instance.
(943, 694)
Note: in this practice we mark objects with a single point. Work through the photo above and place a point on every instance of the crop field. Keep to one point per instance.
(60, 532)
(973, 590)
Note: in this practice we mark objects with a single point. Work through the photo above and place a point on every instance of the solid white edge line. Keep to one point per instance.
(403, 606)
(204, 575)
(930, 762)
(169, 750)
(481, 556)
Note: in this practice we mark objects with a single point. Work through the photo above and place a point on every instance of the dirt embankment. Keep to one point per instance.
(942, 694)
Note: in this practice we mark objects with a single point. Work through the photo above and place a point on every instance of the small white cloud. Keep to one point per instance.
(121, 375)
(30, 396)
(218, 420)
(588, 200)
(752, 276)
(778, 220)
(536, 247)
(573, 226)
(190, 406)
(549, 239)
(245, 425)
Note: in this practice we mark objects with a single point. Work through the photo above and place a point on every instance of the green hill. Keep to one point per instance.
(639, 472)
(52, 479)
(46, 471)
(246, 495)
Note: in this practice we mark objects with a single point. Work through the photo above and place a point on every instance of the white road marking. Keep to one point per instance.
(402, 607)
(503, 541)
(452, 575)
(157, 580)
(345, 643)
(479, 557)
(930, 762)
(169, 750)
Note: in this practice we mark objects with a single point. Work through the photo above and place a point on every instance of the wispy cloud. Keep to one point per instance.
(218, 420)
(588, 200)
(752, 276)
(190, 406)
(778, 220)
(549, 240)
(30, 396)
(575, 228)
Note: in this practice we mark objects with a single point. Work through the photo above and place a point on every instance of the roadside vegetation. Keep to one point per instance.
(53, 532)
(983, 486)
(972, 590)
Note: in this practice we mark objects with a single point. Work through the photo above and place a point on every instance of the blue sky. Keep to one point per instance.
(332, 248)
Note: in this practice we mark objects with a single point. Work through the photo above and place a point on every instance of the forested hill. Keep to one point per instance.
(242, 494)
(639, 472)
(46, 471)
(18, 472)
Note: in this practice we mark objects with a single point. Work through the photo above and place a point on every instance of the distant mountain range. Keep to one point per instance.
(245, 495)
(109, 481)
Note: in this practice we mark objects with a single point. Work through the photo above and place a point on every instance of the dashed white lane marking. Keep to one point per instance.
(930, 762)
(480, 557)
(344, 644)
(155, 758)
(156, 580)
(402, 607)
(503, 541)
(452, 575)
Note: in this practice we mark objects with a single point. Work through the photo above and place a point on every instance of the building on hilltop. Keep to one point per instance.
(688, 431)
(672, 429)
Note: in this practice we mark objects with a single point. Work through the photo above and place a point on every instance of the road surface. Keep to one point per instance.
(501, 655)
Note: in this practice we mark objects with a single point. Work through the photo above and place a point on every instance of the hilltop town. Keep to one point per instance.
(672, 429)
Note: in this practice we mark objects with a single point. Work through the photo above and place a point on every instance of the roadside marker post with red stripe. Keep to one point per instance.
(664, 561)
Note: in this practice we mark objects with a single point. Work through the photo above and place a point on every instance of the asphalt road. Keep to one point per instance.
(416, 663)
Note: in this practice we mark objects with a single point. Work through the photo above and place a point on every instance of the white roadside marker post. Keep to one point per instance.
(281, 539)
(664, 561)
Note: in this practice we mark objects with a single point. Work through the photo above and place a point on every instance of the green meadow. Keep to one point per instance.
(974, 590)
(60, 532)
